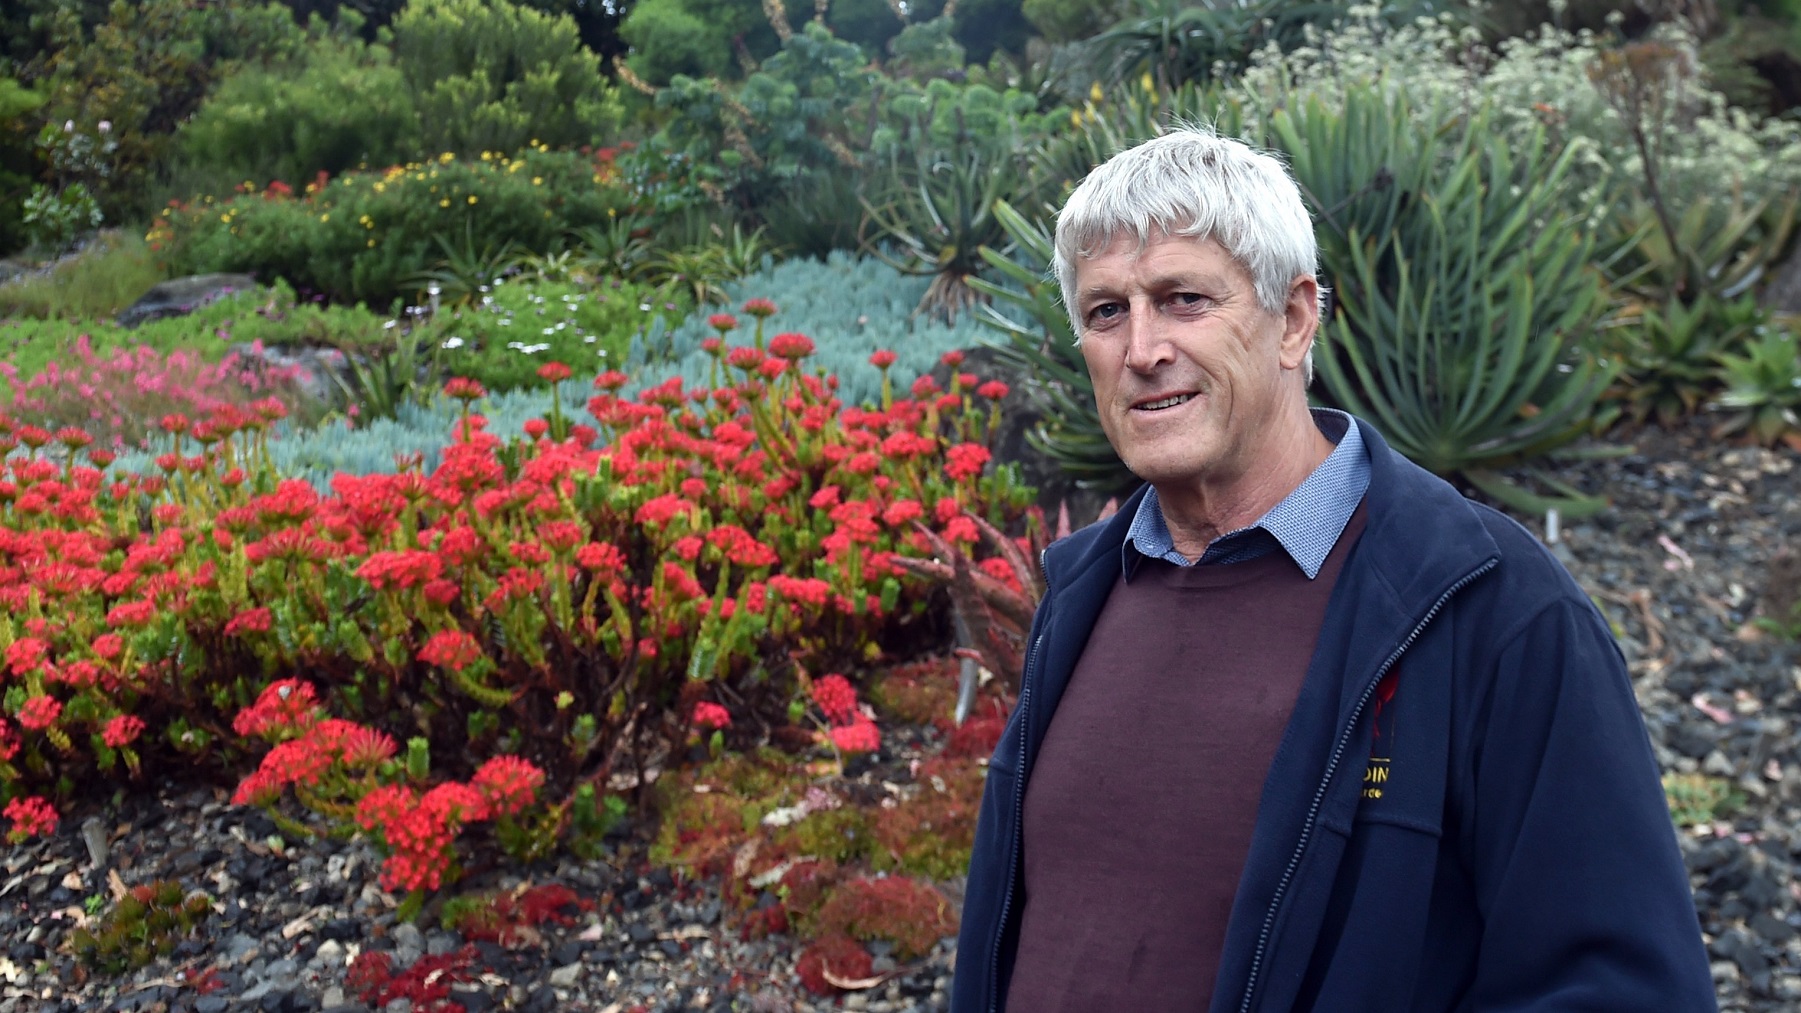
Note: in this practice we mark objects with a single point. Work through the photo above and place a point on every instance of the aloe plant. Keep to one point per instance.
(1720, 247)
(1763, 388)
(953, 155)
(1464, 296)
(1671, 355)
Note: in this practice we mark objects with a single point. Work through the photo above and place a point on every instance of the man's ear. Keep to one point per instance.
(1300, 320)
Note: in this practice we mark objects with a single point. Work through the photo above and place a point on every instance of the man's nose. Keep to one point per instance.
(1147, 345)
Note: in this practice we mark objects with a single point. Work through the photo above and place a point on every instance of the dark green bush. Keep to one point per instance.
(345, 104)
(501, 77)
(367, 236)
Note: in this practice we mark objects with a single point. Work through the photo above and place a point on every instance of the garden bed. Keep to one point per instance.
(1680, 564)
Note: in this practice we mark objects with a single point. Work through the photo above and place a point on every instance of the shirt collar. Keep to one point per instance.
(1305, 524)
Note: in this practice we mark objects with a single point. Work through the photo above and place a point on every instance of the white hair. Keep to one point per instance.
(1193, 182)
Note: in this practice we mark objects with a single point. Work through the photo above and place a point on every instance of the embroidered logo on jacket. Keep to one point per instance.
(1382, 737)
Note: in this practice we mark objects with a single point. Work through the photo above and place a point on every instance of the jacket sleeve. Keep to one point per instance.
(1585, 900)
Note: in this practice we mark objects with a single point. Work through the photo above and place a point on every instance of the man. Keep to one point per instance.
(1300, 727)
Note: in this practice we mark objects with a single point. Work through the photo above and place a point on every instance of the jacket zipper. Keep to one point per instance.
(1319, 794)
(1019, 801)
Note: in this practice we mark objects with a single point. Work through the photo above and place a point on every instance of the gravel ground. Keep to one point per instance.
(1695, 542)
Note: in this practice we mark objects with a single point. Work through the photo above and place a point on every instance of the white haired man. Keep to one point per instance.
(1300, 727)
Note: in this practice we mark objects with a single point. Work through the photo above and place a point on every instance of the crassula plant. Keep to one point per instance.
(565, 599)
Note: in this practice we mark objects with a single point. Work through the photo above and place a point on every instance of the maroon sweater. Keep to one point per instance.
(1140, 806)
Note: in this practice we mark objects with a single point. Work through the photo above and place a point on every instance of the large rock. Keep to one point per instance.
(181, 296)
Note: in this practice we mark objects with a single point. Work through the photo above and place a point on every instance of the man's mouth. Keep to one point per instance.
(1162, 403)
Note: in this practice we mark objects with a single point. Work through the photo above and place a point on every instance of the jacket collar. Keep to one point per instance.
(1444, 536)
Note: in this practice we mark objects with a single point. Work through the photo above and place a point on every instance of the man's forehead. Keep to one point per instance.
(1127, 249)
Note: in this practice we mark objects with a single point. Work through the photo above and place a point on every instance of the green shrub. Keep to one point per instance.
(1697, 799)
(344, 105)
(143, 71)
(1763, 386)
(107, 276)
(367, 236)
(501, 76)
(18, 160)
(793, 113)
(141, 926)
(1670, 354)
(518, 326)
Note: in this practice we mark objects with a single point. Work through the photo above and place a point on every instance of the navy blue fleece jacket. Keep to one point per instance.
(1511, 852)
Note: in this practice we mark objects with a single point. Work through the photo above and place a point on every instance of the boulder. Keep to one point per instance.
(181, 296)
(312, 368)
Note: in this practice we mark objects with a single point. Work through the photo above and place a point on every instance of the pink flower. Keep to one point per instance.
(881, 358)
(759, 308)
(509, 783)
(464, 389)
(860, 737)
(452, 649)
(708, 714)
(121, 731)
(256, 620)
(32, 816)
(791, 346)
(965, 460)
(836, 698)
(40, 712)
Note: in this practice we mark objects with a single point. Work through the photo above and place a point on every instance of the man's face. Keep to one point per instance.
(1192, 377)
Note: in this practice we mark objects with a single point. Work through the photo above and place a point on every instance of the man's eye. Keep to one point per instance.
(1188, 298)
(1105, 311)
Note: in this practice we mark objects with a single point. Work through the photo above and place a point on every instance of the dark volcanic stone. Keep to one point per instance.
(181, 296)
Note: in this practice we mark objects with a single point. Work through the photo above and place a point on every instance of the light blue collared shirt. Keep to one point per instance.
(1306, 524)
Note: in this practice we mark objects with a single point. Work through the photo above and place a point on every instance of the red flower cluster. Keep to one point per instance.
(32, 816)
(283, 710)
(708, 714)
(836, 699)
(452, 649)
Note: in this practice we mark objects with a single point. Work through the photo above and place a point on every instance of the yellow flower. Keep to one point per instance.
(226, 217)
(447, 157)
(444, 203)
(326, 217)
(371, 243)
(1095, 94)
(380, 186)
(472, 198)
(487, 156)
(537, 180)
